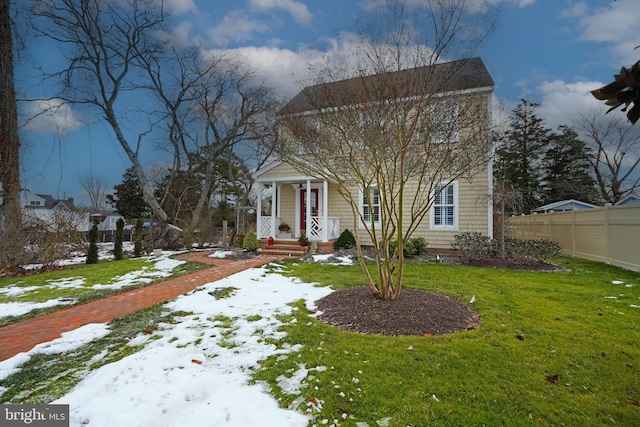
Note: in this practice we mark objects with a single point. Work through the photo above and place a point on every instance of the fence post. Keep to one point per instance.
(607, 238)
(573, 233)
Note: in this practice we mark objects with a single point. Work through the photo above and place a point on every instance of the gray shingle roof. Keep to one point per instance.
(452, 76)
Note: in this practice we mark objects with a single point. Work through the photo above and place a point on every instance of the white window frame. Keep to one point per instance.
(438, 204)
(361, 205)
(445, 121)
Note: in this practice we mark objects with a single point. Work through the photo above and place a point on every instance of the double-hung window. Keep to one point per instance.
(444, 212)
(370, 208)
(444, 121)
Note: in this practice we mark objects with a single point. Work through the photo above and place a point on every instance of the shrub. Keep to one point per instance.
(117, 244)
(542, 250)
(473, 246)
(137, 239)
(419, 244)
(345, 241)
(250, 242)
(92, 255)
(414, 246)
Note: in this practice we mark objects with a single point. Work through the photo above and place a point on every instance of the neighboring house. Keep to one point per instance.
(565, 205)
(307, 202)
(107, 221)
(631, 199)
(53, 212)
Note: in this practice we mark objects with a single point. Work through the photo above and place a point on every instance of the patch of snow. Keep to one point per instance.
(199, 369)
(221, 254)
(67, 342)
(332, 259)
(617, 282)
(9, 309)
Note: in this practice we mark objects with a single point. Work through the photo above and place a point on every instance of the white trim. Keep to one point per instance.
(456, 205)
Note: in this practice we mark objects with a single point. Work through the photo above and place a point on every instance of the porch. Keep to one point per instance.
(300, 202)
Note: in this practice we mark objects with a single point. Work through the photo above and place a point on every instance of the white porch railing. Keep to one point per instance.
(318, 226)
(315, 233)
(264, 228)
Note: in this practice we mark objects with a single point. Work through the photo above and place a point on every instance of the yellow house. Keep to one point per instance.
(312, 203)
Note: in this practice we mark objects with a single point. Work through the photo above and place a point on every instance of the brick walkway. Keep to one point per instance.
(23, 336)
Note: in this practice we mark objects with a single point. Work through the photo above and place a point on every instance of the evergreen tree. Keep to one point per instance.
(137, 239)
(92, 255)
(520, 156)
(566, 168)
(117, 248)
(128, 199)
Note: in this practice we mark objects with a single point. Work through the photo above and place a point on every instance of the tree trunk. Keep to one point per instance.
(9, 142)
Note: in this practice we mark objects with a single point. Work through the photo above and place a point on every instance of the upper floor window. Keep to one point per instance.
(444, 212)
(444, 121)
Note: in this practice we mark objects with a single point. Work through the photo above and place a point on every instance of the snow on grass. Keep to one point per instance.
(198, 370)
(162, 267)
(68, 341)
(9, 309)
(333, 259)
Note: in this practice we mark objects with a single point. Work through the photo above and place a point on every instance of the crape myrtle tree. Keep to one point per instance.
(394, 137)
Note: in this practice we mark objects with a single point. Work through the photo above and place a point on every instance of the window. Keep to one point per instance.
(444, 212)
(372, 210)
(444, 121)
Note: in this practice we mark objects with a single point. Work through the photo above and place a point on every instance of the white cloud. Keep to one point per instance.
(299, 11)
(562, 102)
(180, 7)
(52, 116)
(236, 27)
(615, 24)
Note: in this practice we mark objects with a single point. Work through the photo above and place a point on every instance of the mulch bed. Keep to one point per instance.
(416, 312)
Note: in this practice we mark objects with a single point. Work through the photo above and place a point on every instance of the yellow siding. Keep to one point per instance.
(283, 170)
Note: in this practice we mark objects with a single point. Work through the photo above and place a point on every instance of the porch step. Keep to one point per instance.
(289, 248)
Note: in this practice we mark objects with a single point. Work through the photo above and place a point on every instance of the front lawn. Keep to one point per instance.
(556, 348)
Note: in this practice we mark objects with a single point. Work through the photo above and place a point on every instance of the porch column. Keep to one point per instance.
(273, 209)
(308, 206)
(259, 213)
(325, 211)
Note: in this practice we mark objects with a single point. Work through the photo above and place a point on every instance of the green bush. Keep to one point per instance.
(250, 242)
(472, 246)
(419, 244)
(414, 246)
(539, 250)
(475, 246)
(345, 241)
(92, 255)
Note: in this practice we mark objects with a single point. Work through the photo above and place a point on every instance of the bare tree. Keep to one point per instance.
(212, 103)
(398, 132)
(96, 188)
(614, 156)
(104, 43)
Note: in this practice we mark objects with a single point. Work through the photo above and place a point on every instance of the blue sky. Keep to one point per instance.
(549, 51)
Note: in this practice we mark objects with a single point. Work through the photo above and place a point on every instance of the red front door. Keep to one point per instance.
(303, 207)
